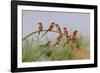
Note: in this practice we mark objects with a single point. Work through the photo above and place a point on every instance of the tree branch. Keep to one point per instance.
(39, 31)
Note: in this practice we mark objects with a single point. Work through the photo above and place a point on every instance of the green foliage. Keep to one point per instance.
(31, 50)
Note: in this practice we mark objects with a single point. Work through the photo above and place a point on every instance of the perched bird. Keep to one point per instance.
(46, 45)
(58, 40)
(49, 29)
(58, 29)
(72, 37)
(40, 28)
(65, 32)
(74, 34)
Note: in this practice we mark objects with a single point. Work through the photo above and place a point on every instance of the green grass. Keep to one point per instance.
(32, 52)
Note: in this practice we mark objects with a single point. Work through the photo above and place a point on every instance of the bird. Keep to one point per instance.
(65, 31)
(58, 29)
(58, 39)
(46, 45)
(51, 26)
(74, 34)
(72, 37)
(40, 28)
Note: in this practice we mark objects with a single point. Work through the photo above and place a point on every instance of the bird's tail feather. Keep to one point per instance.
(38, 35)
(44, 34)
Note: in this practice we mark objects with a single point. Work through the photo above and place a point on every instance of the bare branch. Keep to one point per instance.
(39, 31)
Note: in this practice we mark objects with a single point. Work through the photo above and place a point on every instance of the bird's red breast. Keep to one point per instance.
(51, 26)
(75, 33)
(58, 27)
(65, 31)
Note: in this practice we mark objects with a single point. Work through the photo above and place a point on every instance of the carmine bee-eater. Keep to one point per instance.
(40, 28)
(70, 39)
(58, 40)
(49, 29)
(58, 29)
(65, 32)
(73, 36)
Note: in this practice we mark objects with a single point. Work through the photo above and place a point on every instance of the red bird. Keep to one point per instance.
(51, 26)
(40, 28)
(74, 34)
(65, 31)
(58, 40)
(58, 29)
(49, 29)
(71, 38)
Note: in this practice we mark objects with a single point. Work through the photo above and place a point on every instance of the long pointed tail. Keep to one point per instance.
(38, 35)
(44, 34)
